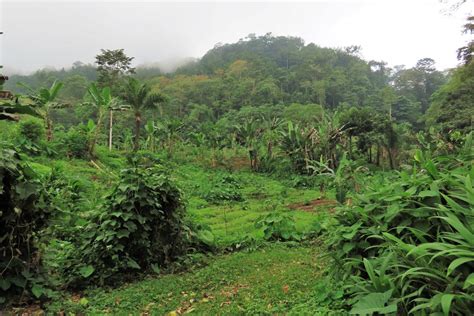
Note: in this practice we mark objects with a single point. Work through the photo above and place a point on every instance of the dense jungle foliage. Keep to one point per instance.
(268, 177)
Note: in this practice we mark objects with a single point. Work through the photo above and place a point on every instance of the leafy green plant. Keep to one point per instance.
(140, 224)
(23, 214)
(31, 129)
(343, 179)
(45, 100)
(30, 135)
(66, 197)
(247, 243)
(76, 141)
(278, 226)
(102, 101)
(407, 244)
(11, 109)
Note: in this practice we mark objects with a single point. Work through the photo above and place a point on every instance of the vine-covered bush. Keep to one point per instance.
(140, 226)
(22, 216)
(407, 245)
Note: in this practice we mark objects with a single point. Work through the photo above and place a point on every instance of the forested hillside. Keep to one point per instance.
(269, 70)
(270, 176)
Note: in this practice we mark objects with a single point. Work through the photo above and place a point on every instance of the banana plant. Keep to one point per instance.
(45, 100)
(169, 131)
(102, 101)
(150, 135)
(271, 127)
(248, 132)
(299, 144)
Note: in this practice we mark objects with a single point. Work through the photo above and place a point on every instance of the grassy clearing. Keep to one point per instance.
(231, 221)
(279, 278)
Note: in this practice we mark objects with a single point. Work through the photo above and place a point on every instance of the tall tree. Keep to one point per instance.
(113, 66)
(420, 82)
(140, 97)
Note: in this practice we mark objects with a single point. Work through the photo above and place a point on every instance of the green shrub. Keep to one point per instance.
(62, 238)
(140, 226)
(22, 217)
(77, 142)
(31, 129)
(65, 196)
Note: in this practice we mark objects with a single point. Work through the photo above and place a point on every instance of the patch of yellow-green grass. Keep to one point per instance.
(277, 279)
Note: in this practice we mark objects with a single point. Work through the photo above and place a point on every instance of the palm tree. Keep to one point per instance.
(139, 97)
(103, 101)
(45, 101)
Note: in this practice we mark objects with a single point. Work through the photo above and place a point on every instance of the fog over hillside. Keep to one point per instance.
(62, 32)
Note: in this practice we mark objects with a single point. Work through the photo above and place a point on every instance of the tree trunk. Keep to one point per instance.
(270, 149)
(138, 120)
(377, 160)
(111, 123)
(49, 129)
(96, 135)
(390, 158)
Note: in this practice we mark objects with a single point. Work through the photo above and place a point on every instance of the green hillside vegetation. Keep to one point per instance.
(270, 176)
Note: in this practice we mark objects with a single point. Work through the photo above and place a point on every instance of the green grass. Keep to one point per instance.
(231, 221)
(276, 279)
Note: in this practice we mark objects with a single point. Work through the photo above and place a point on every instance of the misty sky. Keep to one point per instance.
(58, 33)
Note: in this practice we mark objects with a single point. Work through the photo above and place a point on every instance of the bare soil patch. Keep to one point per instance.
(314, 205)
